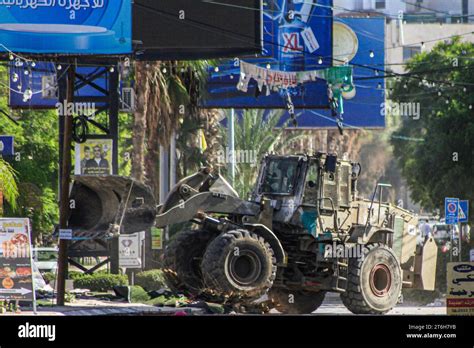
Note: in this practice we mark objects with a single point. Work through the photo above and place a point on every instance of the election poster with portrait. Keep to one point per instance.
(16, 275)
(94, 157)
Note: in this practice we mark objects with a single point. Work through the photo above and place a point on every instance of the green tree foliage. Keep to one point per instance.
(8, 184)
(36, 161)
(436, 152)
(256, 134)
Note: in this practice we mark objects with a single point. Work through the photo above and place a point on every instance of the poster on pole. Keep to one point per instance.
(130, 250)
(94, 157)
(156, 238)
(16, 275)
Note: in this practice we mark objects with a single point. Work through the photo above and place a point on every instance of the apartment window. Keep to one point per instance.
(380, 4)
(418, 5)
(410, 51)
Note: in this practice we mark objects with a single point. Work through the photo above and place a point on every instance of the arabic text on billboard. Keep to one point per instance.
(66, 26)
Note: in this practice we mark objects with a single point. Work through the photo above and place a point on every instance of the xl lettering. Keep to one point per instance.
(292, 43)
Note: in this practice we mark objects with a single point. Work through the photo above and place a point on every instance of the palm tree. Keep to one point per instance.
(257, 133)
(167, 98)
(8, 184)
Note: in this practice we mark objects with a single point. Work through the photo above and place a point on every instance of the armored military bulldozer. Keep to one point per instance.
(304, 232)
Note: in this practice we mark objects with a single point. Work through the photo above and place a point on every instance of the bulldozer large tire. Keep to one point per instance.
(182, 261)
(239, 264)
(374, 281)
(296, 302)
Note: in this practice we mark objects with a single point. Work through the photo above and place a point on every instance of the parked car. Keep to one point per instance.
(46, 259)
(441, 231)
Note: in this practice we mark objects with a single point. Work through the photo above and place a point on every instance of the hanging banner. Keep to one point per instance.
(67, 27)
(275, 80)
(360, 42)
(16, 275)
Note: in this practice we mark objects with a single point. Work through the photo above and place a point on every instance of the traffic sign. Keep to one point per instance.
(7, 147)
(463, 211)
(65, 234)
(451, 210)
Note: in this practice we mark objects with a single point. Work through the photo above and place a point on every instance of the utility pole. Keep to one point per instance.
(65, 180)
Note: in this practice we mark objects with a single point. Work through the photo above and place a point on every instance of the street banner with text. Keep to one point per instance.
(16, 276)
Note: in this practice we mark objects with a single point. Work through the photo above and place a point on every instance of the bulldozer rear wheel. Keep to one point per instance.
(239, 264)
(296, 302)
(374, 281)
(182, 259)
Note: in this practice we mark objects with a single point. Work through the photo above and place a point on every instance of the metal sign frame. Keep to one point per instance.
(109, 102)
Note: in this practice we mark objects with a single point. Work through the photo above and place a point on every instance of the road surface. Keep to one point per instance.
(332, 305)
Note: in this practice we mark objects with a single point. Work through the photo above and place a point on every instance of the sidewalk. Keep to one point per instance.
(101, 308)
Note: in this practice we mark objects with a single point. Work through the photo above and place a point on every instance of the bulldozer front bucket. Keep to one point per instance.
(202, 192)
(102, 206)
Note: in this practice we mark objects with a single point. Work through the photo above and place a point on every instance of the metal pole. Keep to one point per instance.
(114, 101)
(164, 173)
(451, 233)
(164, 179)
(173, 160)
(231, 145)
(65, 181)
(460, 241)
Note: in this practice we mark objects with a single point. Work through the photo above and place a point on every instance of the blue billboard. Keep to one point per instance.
(66, 26)
(297, 38)
(361, 43)
(38, 88)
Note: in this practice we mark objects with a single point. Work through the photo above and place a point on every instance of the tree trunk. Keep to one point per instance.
(153, 117)
(139, 125)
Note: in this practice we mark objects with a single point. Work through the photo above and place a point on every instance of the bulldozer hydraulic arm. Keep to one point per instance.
(206, 202)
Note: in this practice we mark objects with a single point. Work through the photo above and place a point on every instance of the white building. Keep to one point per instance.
(446, 11)
(406, 40)
(422, 24)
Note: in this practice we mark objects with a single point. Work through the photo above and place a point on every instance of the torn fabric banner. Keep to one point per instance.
(274, 80)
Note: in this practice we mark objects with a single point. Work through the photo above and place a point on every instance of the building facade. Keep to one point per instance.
(457, 11)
